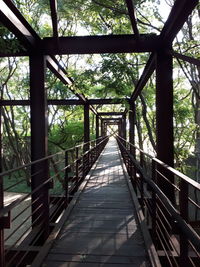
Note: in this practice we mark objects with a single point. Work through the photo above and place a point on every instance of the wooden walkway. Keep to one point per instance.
(102, 228)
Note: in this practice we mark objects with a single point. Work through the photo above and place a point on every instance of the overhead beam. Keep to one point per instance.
(59, 71)
(127, 43)
(112, 123)
(111, 119)
(64, 102)
(54, 18)
(131, 12)
(147, 72)
(108, 101)
(110, 113)
(177, 17)
(191, 60)
(16, 23)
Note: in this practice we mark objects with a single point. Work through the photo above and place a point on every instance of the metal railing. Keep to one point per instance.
(174, 222)
(25, 219)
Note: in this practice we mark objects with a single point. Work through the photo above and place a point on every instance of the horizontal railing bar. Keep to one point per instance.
(42, 159)
(164, 165)
(21, 224)
(193, 203)
(8, 208)
(184, 227)
(13, 185)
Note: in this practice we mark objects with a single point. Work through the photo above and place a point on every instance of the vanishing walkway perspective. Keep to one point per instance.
(102, 227)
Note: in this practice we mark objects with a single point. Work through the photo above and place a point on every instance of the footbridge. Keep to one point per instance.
(112, 213)
(105, 202)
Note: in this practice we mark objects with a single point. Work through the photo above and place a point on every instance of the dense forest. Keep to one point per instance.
(101, 76)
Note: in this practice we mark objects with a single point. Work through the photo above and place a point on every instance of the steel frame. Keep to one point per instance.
(41, 53)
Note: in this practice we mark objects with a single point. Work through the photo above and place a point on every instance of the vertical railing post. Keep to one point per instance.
(39, 146)
(154, 204)
(124, 129)
(86, 135)
(132, 128)
(183, 202)
(77, 164)
(97, 126)
(86, 127)
(66, 179)
(142, 181)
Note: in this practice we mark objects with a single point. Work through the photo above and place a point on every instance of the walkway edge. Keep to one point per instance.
(151, 250)
(38, 261)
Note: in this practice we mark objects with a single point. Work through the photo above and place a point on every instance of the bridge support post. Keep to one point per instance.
(120, 128)
(39, 171)
(103, 128)
(86, 127)
(124, 126)
(2, 252)
(97, 126)
(164, 117)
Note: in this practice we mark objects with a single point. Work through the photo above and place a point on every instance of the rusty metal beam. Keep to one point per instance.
(65, 102)
(111, 119)
(177, 17)
(58, 71)
(191, 60)
(164, 116)
(108, 101)
(53, 7)
(131, 11)
(2, 244)
(97, 126)
(148, 71)
(86, 127)
(127, 43)
(132, 117)
(110, 113)
(124, 126)
(16, 23)
(112, 123)
(39, 146)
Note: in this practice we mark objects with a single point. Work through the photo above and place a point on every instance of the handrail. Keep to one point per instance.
(184, 226)
(12, 205)
(45, 158)
(167, 167)
(43, 213)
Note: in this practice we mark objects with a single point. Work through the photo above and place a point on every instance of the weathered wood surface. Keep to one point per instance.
(102, 229)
